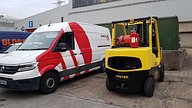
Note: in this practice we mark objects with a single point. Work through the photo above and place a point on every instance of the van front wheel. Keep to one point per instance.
(49, 83)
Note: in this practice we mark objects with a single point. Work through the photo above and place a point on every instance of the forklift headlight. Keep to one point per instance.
(27, 66)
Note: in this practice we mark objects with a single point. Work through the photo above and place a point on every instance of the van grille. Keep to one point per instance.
(124, 63)
(8, 69)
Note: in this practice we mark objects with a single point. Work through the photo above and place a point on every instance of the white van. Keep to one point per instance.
(54, 53)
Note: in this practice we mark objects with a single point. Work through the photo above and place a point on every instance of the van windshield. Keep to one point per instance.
(39, 41)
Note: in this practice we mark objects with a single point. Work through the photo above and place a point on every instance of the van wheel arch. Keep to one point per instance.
(53, 70)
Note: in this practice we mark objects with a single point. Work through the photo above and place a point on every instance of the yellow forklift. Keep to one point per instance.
(134, 63)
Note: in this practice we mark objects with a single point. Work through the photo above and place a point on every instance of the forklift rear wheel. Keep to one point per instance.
(108, 86)
(149, 87)
(161, 73)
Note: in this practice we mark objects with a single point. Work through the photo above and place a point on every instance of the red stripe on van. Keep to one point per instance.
(66, 77)
(49, 60)
(82, 41)
(87, 71)
(74, 58)
(77, 74)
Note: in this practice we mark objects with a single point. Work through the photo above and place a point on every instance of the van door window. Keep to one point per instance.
(68, 39)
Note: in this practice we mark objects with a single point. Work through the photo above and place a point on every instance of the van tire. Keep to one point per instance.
(102, 67)
(108, 86)
(161, 73)
(149, 87)
(49, 83)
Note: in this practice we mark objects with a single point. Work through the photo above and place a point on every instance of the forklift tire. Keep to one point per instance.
(161, 73)
(108, 86)
(49, 83)
(102, 68)
(149, 87)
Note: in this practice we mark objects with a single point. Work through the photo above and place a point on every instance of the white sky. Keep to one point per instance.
(25, 8)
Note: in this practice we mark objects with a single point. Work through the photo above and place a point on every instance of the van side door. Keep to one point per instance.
(68, 53)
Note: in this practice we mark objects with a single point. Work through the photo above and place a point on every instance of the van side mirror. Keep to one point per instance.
(62, 47)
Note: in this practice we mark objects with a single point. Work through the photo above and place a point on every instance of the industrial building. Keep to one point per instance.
(106, 11)
(7, 23)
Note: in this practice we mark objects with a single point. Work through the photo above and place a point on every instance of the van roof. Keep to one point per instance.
(59, 26)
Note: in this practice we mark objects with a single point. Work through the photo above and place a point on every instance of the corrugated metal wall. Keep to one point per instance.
(169, 33)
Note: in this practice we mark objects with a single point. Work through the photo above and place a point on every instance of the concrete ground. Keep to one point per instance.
(88, 91)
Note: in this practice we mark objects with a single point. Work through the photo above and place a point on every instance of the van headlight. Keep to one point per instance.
(27, 66)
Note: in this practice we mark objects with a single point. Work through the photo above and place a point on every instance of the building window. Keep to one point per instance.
(81, 3)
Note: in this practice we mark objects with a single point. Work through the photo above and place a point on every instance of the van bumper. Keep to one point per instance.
(21, 85)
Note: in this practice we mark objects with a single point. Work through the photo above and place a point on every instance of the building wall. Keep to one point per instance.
(107, 12)
(51, 16)
(7, 28)
(132, 8)
(186, 40)
(6, 24)
(185, 29)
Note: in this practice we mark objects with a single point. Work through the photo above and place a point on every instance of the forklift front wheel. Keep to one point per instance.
(161, 73)
(108, 86)
(149, 87)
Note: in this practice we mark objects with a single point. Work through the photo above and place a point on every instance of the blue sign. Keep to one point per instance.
(30, 23)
